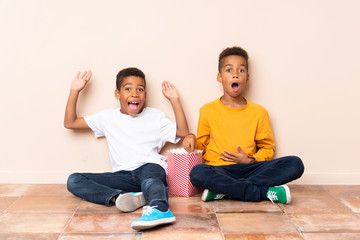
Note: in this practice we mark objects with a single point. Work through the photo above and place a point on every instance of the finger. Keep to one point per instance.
(187, 146)
(171, 86)
(190, 144)
(168, 86)
(83, 74)
(230, 153)
(164, 86)
(192, 147)
(77, 75)
(227, 159)
(227, 156)
(88, 75)
(239, 149)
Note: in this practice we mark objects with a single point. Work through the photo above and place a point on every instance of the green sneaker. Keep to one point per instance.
(208, 195)
(279, 194)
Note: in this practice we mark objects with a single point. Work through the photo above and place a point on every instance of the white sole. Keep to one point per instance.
(288, 194)
(204, 195)
(129, 202)
(141, 225)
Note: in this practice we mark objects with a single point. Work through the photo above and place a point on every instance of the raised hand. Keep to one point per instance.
(169, 90)
(80, 80)
(239, 157)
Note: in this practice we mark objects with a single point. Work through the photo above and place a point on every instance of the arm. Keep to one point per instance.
(191, 142)
(71, 120)
(172, 94)
(264, 138)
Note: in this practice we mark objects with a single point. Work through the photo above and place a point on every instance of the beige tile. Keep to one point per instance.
(315, 204)
(100, 236)
(13, 190)
(235, 206)
(89, 207)
(307, 190)
(327, 222)
(48, 190)
(341, 190)
(352, 202)
(259, 223)
(263, 237)
(102, 223)
(331, 236)
(33, 222)
(5, 202)
(29, 236)
(190, 223)
(189, 205)
(44, 204)
(160, 235)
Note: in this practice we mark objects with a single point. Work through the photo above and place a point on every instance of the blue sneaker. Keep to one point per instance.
(151, 218)
(129, 202)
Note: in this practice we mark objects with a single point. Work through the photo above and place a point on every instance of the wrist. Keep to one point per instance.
(73, 91)
(174, 100)
(191, 134)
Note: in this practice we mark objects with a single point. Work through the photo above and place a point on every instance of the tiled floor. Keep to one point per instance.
(44, 212)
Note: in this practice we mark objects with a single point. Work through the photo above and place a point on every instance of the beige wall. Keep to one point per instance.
(304, 70)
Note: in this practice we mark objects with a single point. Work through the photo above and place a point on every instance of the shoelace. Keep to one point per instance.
(147, 210)
(272, 196)
(219, 196)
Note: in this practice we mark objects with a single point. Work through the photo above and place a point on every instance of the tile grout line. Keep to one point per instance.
(11, 204)
(296, 226)
(338, 199)
(217, 219)
(18, 197)
(68, 222)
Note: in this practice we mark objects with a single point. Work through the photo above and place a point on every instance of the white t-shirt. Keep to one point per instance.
(134, 140)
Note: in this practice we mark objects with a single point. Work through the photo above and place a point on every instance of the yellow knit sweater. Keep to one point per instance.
(221, 128)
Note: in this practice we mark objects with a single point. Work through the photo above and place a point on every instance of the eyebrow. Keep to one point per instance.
(141, 85)
(233, 65)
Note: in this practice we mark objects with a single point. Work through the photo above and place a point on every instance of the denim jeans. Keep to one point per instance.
(102, 187)
(247, 182)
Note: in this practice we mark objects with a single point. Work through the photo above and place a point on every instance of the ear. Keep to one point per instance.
(248, 78)
(117, 94)
(219, 78)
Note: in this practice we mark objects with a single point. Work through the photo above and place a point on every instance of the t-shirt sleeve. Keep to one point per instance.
(168, 129)
(264, 138)
(95, 122)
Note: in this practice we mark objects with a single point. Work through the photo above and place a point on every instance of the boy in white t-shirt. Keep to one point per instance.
(135, 135)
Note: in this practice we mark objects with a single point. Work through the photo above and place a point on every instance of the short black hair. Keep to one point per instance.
(126, 72)
(238, 51)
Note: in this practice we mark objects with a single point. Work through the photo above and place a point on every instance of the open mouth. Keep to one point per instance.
(235, 86)
(133, 106)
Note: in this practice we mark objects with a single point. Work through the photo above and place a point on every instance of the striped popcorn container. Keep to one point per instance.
(180, 163)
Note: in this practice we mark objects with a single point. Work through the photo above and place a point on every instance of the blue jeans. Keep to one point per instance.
(102, 187)
(247, 182)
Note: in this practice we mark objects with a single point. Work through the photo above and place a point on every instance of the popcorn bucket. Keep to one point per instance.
(180, 163)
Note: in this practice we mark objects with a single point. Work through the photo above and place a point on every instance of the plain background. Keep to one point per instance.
(304, 69)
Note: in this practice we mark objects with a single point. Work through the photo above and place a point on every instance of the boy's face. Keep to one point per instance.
(132, 95)
(233, 75)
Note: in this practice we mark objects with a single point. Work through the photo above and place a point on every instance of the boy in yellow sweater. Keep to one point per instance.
(238, 144)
